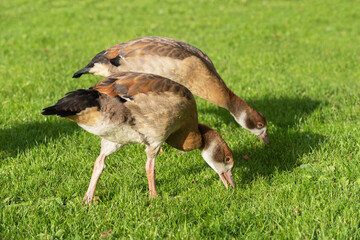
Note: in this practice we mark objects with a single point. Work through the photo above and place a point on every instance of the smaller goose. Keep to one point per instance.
(147, 109)
(182, 63)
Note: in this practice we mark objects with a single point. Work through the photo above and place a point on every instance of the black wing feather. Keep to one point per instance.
(74, 102)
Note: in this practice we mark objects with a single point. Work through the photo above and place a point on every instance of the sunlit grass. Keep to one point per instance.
(295, 61)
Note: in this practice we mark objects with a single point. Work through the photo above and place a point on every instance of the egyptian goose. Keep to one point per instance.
(181, 63)
(147, 109)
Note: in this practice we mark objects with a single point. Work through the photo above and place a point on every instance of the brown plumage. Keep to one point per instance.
(143, 108)
(181, 63)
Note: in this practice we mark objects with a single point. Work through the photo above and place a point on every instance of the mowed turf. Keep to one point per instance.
(295, 61)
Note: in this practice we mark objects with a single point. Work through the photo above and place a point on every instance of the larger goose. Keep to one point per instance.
(181, 63)
(143, 108)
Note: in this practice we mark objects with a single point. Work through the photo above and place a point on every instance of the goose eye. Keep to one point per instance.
(260, 125)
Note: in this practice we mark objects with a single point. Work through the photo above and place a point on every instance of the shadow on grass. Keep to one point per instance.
(283, 154)
(23, 136)
(288, 144)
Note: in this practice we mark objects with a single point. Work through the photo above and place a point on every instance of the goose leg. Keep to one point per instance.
(151, 153)
(150, 172)
(98, 169)
(107, 148)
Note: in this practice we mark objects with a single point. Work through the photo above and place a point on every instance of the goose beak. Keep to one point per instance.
(229, 177)
(264, 137)
(81, 72)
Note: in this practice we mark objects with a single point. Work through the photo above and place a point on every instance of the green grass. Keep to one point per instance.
(296, 61)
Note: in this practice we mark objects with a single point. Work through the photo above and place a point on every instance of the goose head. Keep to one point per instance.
(217, 154)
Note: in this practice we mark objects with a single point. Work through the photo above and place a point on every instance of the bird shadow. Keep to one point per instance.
(285, 153)
(288, 143)
(22, 136)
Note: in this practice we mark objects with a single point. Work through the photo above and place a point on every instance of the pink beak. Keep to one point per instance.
(229, 177)
(264, 137)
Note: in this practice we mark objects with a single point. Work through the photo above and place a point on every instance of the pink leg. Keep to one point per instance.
(150, 172)
(151, 153)
(99, 166)
(107, 148)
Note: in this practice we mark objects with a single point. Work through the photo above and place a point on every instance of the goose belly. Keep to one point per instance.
(117, 133)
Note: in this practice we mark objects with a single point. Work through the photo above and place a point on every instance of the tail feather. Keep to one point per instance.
(73, 103)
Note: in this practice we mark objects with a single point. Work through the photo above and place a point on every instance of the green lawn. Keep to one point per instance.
(298, 62)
